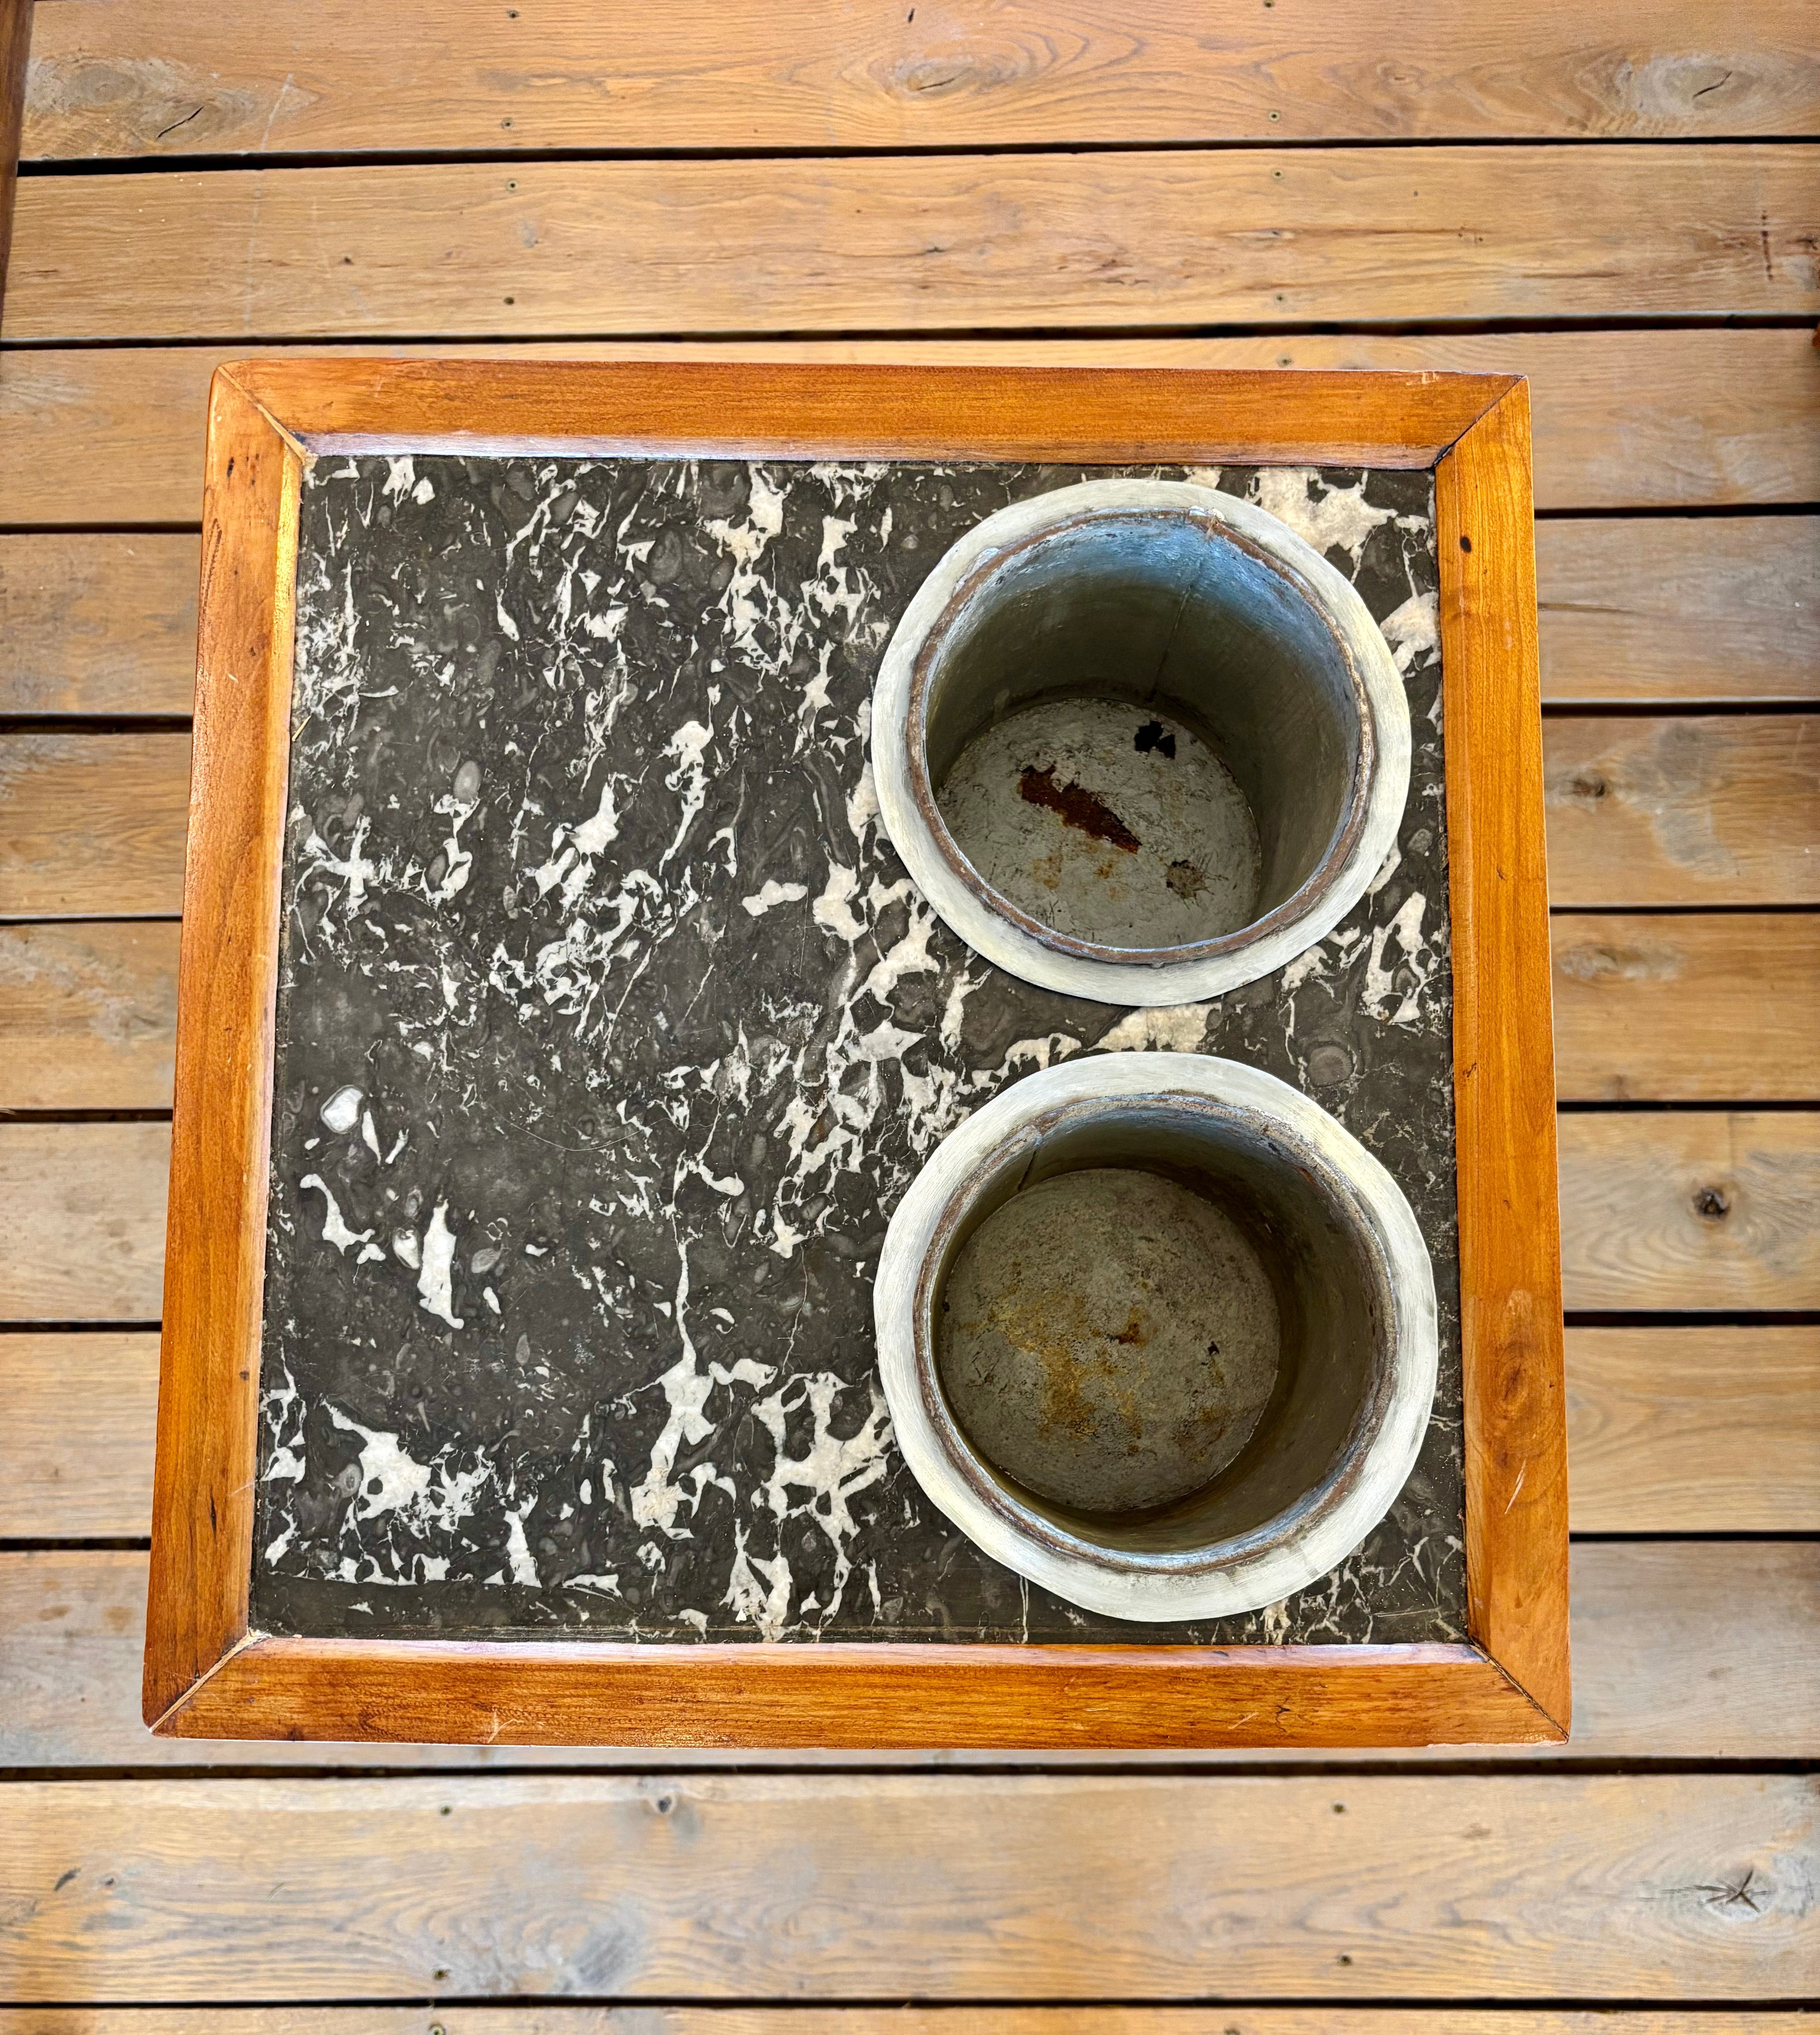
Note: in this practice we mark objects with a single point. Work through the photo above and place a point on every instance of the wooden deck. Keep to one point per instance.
(1619, 201)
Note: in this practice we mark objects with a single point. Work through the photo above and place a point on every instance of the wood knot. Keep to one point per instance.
(1588, 784)
(1711, 1204)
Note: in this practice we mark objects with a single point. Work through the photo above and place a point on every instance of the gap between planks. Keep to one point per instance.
(896, 2019)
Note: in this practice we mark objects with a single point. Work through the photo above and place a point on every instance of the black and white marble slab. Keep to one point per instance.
(611, 1031)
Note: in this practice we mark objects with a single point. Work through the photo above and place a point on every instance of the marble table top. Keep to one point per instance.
(611, 1031)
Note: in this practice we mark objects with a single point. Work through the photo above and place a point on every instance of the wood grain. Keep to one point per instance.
(1719, 809)
(1708, 1211)
(1686, 1006)
(1699, 809)
(791, 410)
(91, 1197)
(1096, 2020)
(97, 625)
(75, 1446)
(88, 1012)
(126, 79)
(1285, 1700)
(82, 1210)
(1677, 419)
(1662, 1635)
(92, 823)
(707, 1886)
(220, 1135)
(1694, 1431)
(1680, 609)
(1713, 610)
(1514, 1401)
(916, 243)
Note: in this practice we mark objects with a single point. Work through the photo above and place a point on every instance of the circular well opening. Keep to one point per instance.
(1141, 732)
(1050, 1289)
(1137, 741)
(1122, 1451)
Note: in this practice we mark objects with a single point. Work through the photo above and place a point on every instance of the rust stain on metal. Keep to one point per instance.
(1077, 807)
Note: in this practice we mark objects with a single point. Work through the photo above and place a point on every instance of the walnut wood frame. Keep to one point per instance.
(208, 1675)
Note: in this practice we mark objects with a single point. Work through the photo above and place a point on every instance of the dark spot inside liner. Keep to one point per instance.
(1152, 735)
(1077, 807)
(1186, 879)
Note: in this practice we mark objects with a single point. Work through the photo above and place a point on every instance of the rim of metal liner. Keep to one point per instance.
(1219, 1578)
(1001, 931)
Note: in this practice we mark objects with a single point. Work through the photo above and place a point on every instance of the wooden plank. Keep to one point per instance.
(126, 79)
(1699, 1431)
(97, 625)
(82, 1210)
(1687, 1007)
(1704, 809)
(1663, 1634)
(917, 243)
(1717, 809)
(1694, 609)
(1647, 1008)
(1694, 1431)
(1701, 1211)
(88, 1012)
(1680, 609)
(76, 1451)
(1679, 420)
(93, 823)
(1708, 1430)
(1532, 1886)
(1706, 1211)
(1685, 1650)
(1096, 2020)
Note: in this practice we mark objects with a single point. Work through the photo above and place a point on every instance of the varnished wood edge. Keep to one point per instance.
(1511, 1331)
(15, 45)
(207, 1676)
(206, 1462)
(859, 1696)
(759, 407)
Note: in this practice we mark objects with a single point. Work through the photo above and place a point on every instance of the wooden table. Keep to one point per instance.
(966, 184)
